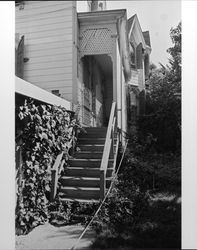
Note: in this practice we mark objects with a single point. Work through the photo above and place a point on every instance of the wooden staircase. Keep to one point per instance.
(82, 178)
(89, 173)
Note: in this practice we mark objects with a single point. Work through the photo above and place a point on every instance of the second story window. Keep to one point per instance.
(132, 55)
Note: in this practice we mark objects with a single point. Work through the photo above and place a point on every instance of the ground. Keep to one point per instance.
(49, 237)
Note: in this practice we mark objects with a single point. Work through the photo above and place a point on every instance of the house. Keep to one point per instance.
(90, 59)
(97, 60)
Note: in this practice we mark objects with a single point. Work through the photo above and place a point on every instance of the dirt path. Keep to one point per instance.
(47, 237)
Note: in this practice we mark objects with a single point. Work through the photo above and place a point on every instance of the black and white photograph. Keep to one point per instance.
(98, 125)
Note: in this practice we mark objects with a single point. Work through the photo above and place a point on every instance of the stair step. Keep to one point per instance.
(87, 163)
(82, 181)
(91, 147)
(88, 155)
(65, 200)
(86, 172)
(91, 141)
(80, 192)
(95, 129)
(95, 134)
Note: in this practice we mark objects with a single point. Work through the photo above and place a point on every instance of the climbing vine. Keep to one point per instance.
(43, 132)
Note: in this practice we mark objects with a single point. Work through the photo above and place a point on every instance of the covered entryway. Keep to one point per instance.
(97, 91)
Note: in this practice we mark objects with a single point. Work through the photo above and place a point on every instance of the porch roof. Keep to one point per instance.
(107, 15)
(25, 88)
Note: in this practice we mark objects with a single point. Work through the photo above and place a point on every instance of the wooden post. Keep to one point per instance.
(102, 184)
(54, 176)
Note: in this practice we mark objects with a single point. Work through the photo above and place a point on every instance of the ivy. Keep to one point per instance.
(43, 131)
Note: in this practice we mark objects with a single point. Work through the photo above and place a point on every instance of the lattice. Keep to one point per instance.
(96, 41)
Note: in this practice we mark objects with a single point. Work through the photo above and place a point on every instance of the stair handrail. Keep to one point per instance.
(54, 174)
(108, 148)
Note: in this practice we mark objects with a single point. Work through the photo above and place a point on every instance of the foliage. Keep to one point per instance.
(163, 104)
(175, 52)
(142, 210)
(45, 131)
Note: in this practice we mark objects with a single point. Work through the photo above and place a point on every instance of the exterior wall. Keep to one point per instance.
(48, 30)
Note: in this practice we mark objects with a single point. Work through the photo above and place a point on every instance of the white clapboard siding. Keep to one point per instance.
(43, 21)
(48, 65)
(47, 33)
(49, 78)
(48, 30)
(50, 58)
(38, 4)
(46, 27)
(44, 9)
(50, 39)
(46, 72)
(61, 89)
(51, 52)
(52, 85)
(51, 45)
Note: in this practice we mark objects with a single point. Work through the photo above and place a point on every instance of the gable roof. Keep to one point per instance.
(146, 35)
(134, 22)
(130, 21)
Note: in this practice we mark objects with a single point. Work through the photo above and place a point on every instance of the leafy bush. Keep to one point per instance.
(45, 131)
(142, 210)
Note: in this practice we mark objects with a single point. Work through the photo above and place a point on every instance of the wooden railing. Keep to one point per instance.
(108, 149)
(59, 165)
(59, 162)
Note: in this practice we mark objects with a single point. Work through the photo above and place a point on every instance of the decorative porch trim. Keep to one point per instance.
(96, 41)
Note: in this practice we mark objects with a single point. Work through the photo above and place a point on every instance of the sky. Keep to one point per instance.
(156, 16)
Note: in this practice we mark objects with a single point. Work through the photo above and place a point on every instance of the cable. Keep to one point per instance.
(85, 229)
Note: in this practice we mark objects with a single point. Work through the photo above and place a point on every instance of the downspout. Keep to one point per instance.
(124, 53)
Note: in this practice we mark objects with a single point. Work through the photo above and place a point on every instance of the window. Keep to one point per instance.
(132, 55)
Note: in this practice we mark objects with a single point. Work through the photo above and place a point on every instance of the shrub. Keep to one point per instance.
(45, 131)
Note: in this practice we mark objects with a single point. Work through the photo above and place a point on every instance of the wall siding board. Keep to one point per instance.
(47, 78)
(47, 27)
(38, 4)
(55, 85)
(43, 10)
(50, 58)
(46, 72)
(48, 65)
(56, 33)
(52, 45)
(44, 22)
(49, 39)
(51, 52)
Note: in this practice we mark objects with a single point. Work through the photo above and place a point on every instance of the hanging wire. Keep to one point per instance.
(103, 201)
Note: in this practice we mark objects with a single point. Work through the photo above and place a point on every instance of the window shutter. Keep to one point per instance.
(139, 56)
(19, 63)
